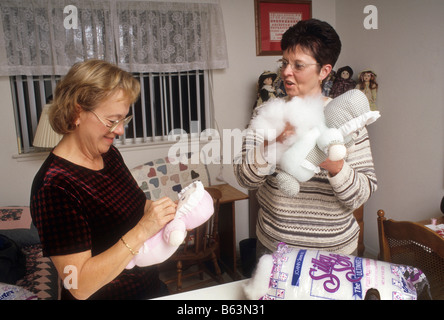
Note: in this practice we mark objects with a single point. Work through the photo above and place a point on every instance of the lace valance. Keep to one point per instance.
(39, 37)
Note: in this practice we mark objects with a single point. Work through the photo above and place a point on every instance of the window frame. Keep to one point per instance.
(24, 103)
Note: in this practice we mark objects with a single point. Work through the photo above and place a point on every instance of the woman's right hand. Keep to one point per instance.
(288, 131)
(157, 214)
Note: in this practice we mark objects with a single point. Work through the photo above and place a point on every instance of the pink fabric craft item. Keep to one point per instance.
(194, 208)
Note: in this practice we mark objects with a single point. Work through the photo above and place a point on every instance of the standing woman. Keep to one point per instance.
(320, 217)
(90, 213)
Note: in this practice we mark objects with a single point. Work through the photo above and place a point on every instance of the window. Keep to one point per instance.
(165, 44)
(169, 101)
(30, 94)
(174, 100)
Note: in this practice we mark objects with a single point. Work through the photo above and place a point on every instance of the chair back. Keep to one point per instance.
(204, 237)
(412, 244)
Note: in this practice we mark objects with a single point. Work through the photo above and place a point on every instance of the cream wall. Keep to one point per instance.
(408, 65)
(407, 53)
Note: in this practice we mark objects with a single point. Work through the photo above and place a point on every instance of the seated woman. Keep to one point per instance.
(91, 215)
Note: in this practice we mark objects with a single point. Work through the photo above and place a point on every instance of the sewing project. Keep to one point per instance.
(194, 208)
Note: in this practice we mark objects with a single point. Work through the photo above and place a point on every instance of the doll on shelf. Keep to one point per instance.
(367, 84)
(265, 88)
(343, 82)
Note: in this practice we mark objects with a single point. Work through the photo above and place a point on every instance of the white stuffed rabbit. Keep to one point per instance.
(319, 133)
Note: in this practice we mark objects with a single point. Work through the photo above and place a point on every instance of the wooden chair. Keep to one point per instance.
(201, 245)
(412, 244)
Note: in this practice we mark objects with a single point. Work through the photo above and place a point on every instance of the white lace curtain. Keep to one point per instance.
(37, 38)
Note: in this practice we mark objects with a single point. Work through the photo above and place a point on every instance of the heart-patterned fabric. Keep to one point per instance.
(160, 177)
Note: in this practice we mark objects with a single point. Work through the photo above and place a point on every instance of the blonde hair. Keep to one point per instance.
(87, 84)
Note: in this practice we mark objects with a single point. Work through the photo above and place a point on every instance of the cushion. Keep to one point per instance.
(167, 177)
(15, 218)
(41, 276)
(16, 224)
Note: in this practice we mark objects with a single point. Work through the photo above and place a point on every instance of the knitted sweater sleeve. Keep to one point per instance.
(356, 182)
(250, 167)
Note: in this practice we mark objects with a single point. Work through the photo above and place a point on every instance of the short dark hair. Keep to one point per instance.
(316, 37)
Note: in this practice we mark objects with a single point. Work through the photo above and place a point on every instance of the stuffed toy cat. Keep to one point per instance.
(298, 274)
(320, 132)
(195, 206)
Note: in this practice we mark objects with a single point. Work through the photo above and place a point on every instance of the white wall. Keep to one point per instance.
(406, 52)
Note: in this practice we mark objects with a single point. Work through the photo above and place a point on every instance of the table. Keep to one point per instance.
(227, 291)
(439, 220)
(227, 227)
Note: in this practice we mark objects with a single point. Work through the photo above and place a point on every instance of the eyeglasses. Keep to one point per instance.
(114, 124)
(296, 67)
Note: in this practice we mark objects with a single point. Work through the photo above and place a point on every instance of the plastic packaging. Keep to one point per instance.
(299, 274)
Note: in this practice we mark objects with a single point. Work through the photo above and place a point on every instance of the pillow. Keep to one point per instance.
(41, 276)
(16, 224)
(15, 218)
(167, 177)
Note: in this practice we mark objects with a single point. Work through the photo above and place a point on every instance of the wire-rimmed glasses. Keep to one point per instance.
(113, 124)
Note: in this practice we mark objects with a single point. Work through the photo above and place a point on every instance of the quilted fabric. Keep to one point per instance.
(162, 177)
(14, 218)
(41, 276)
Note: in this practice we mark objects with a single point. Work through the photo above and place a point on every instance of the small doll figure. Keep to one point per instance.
(367, 84)
(343, 82)
(328, 83)
(265, 90)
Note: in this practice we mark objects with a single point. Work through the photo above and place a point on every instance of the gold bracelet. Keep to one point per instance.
(129, 248)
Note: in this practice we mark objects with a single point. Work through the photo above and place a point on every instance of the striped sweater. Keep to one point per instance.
(320, 217)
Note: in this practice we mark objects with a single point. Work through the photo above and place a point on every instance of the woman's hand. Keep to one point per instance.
(92, 273)
(157, 214)
(289, 130)
(333, 167)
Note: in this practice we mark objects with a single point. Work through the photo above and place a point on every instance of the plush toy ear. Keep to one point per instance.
(350, 112)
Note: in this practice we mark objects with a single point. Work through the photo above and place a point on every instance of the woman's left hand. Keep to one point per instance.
(333, 167)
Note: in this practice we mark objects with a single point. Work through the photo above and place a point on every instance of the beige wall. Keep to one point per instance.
(407, 53)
